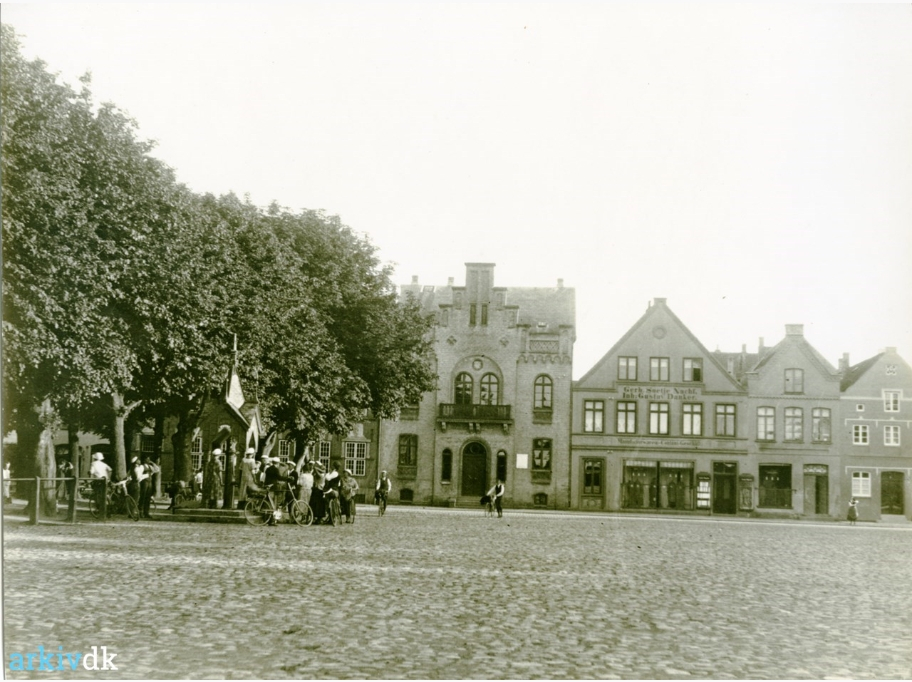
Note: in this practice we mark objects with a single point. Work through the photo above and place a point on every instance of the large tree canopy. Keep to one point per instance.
(123, 289)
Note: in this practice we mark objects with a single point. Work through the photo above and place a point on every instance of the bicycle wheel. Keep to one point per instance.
(382, 506)
(179, 500)
(93, 507)
(131, 508)
(335, 512)
(301, 513)
(257, 511)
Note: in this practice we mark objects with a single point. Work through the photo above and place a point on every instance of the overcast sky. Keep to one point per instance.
(750, 163)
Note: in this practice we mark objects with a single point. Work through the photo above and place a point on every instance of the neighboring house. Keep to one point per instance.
(356, 451)
(659, 424)
(874, 431)
(504, 360)
(793, 397)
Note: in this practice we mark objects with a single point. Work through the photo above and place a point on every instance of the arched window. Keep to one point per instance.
(490, 390)
(542, 394)
(463, 389)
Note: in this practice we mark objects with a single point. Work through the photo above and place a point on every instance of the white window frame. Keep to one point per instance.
(793, 422)
(286, 451)
(766, 423)
(861, 484)
(196, 453)
(626, 417)
(819, 417)
(659, 413)
(693, 367)
(891, 435)
(692, 419)
(596, 408)
(324, 450)
(861, 434)
(891, 400)
(356, 453)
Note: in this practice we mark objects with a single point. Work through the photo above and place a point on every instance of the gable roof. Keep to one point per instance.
(798, 341)
(657, 305)
(855, 372)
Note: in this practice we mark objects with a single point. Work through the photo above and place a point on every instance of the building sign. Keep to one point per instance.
(659, 442)
(522, 461)
(659, 393)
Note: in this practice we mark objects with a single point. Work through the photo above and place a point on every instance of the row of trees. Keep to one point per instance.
(123, 290)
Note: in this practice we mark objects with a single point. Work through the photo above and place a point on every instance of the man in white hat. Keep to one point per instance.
(100, 474)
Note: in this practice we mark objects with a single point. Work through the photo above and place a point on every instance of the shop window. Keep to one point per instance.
(861, 484)
(592, 477)
(776, 486)
(627, 369)
(794, 424)
(593, 416)
(820, 425)
(725, 420)
(446, 466)
(658, 419)
(651, 484)
(766, 423)
(794, 380)
(693, 369)
(860, 434)
(626, 416)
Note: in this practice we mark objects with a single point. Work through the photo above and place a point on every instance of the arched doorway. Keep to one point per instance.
(474, 469)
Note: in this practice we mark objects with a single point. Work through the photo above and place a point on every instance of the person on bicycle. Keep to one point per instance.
(496, 494)
(384, 485)
(275, 482)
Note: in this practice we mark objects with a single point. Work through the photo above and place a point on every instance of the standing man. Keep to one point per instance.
(496, 494)
(100, 474)
(247, 476)
(212, 480)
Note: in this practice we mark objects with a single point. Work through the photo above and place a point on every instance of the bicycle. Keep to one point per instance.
(488, 505)
(381, 502)
(118, 499)
(260, 509)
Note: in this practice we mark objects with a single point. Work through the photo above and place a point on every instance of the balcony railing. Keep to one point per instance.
(475, 413)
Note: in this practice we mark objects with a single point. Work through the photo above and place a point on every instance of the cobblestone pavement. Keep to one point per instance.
(433, 594)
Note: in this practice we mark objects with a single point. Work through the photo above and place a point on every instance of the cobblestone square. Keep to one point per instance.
(450, 594)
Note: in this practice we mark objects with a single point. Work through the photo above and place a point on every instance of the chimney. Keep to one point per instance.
(414, 279)
(449, 281)
(794, 330)
(760, 347)
(560, 282)
(844, 362)
(731, 366)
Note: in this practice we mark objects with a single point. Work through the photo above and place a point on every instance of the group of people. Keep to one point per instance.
(307, 481)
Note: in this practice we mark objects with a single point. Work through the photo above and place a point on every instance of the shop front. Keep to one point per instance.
(658, 484)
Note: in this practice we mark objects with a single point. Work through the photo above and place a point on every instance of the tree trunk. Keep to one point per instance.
(121, 412)
(45, 461)
(158, 437)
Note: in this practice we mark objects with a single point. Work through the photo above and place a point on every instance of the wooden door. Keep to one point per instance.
(474, 470)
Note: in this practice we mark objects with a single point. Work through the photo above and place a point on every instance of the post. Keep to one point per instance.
(36, 502)
(71, 497)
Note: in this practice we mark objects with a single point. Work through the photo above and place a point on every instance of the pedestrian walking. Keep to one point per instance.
(852, 516)
(347, 489)
(247, 476)
(496, 494)
(212, 480)
(7, 483)
(146, 491)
